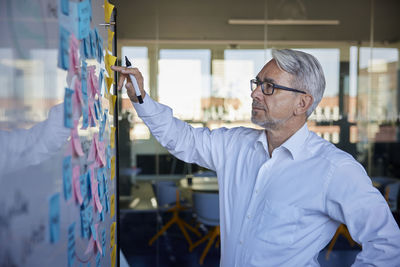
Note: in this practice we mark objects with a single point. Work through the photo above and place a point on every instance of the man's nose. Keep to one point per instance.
(257, 93)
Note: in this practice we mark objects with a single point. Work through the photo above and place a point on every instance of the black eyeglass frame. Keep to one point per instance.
(274, 86)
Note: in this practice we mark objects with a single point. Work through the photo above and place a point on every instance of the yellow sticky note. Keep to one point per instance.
(109, 82)
(109, 60)
(112, 167)
(113, 255)
(112, 206)
(112, 235)
(110, 40)
(108, 9)
(111, 100)
(112, 137)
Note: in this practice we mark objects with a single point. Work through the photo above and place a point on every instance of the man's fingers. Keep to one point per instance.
(121, 80)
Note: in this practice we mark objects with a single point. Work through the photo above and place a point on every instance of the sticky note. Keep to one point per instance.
(113, 255)
(68, 108)
(63, 53)
(85, 48)
(107, 202)
(76, 185)
(89, 183)
(110, 39)
(67, 177)
(112, 167)
(92, 151)
(112, 137)
(108, 153)
(54, 217)
(76, 142)
(102, 128)
(112, 99)
(112, 234)
(101, 80)
(73, 54)
(101, 151)
(85, 224)
(85, 105)
(90, 246)
(109, 82)
(71, 244)
(83, 188)
(112, 206)
(103, 241)
(109, 60)
(108, 9)
(93, 46)
(99, 46)
(65, 7)
(84, 14)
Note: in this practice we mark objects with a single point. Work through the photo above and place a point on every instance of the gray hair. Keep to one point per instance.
(306, 71)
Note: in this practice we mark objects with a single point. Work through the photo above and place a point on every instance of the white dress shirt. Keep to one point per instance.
(281, 209)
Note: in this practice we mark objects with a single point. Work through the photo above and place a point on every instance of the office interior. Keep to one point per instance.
(198, 57)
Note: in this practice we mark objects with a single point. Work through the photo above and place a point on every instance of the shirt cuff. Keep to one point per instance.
(148, 108)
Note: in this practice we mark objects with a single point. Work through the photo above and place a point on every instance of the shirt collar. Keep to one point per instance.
(294, 144)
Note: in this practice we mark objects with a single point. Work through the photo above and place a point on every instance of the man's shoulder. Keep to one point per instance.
(324, 149)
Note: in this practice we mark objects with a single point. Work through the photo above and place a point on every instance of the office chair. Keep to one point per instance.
(206, 207)
(168, 193)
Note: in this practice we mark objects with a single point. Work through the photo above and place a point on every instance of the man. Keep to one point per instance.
(283, 190)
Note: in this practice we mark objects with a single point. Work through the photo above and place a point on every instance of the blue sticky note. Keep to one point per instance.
(85, 108)
(65, 7)
(93, 48)
(107, 203)
(96, 110)
(101, 77)
(89, 184)
(99, 46)
(63, 53)
(67, 177)
(85, 231)
(100, 186)
(83, 187)
(84, 15)
(108, 152)
(103, 241)
(54, 217)
(71, 244)
(98, 258)
(102, 128)
(68, 108)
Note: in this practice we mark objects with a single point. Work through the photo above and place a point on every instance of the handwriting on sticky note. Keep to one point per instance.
(71, 244)
(84, 14)
(112, 167)
(68, 108)
(54, 217)
(63, 53)
(67, 177)
(112, 206)
(112, 234)
(113, 255)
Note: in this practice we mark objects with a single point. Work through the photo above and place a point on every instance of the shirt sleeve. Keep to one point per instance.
(352, 200)
(193, 145)
(25, 147)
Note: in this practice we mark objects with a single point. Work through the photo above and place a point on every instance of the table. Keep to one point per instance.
(200, 184)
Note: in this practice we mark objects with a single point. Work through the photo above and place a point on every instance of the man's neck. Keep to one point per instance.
(277, 137)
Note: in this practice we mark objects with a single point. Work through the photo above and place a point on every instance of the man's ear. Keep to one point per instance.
(303, 104)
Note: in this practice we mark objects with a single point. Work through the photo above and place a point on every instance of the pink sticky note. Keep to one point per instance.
(92, 151)
(76, 185)
(78, 90)
(98, 239)
(101, 151)
(92, 117)
(95, 194)
(73, 55)
(90, 245)
(76, 142)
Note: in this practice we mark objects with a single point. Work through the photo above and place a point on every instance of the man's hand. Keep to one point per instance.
(124, 73)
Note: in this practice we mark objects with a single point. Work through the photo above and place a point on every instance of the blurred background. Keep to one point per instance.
(198, 57)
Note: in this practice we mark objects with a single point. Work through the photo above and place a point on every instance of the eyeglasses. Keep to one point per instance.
(268, 87)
